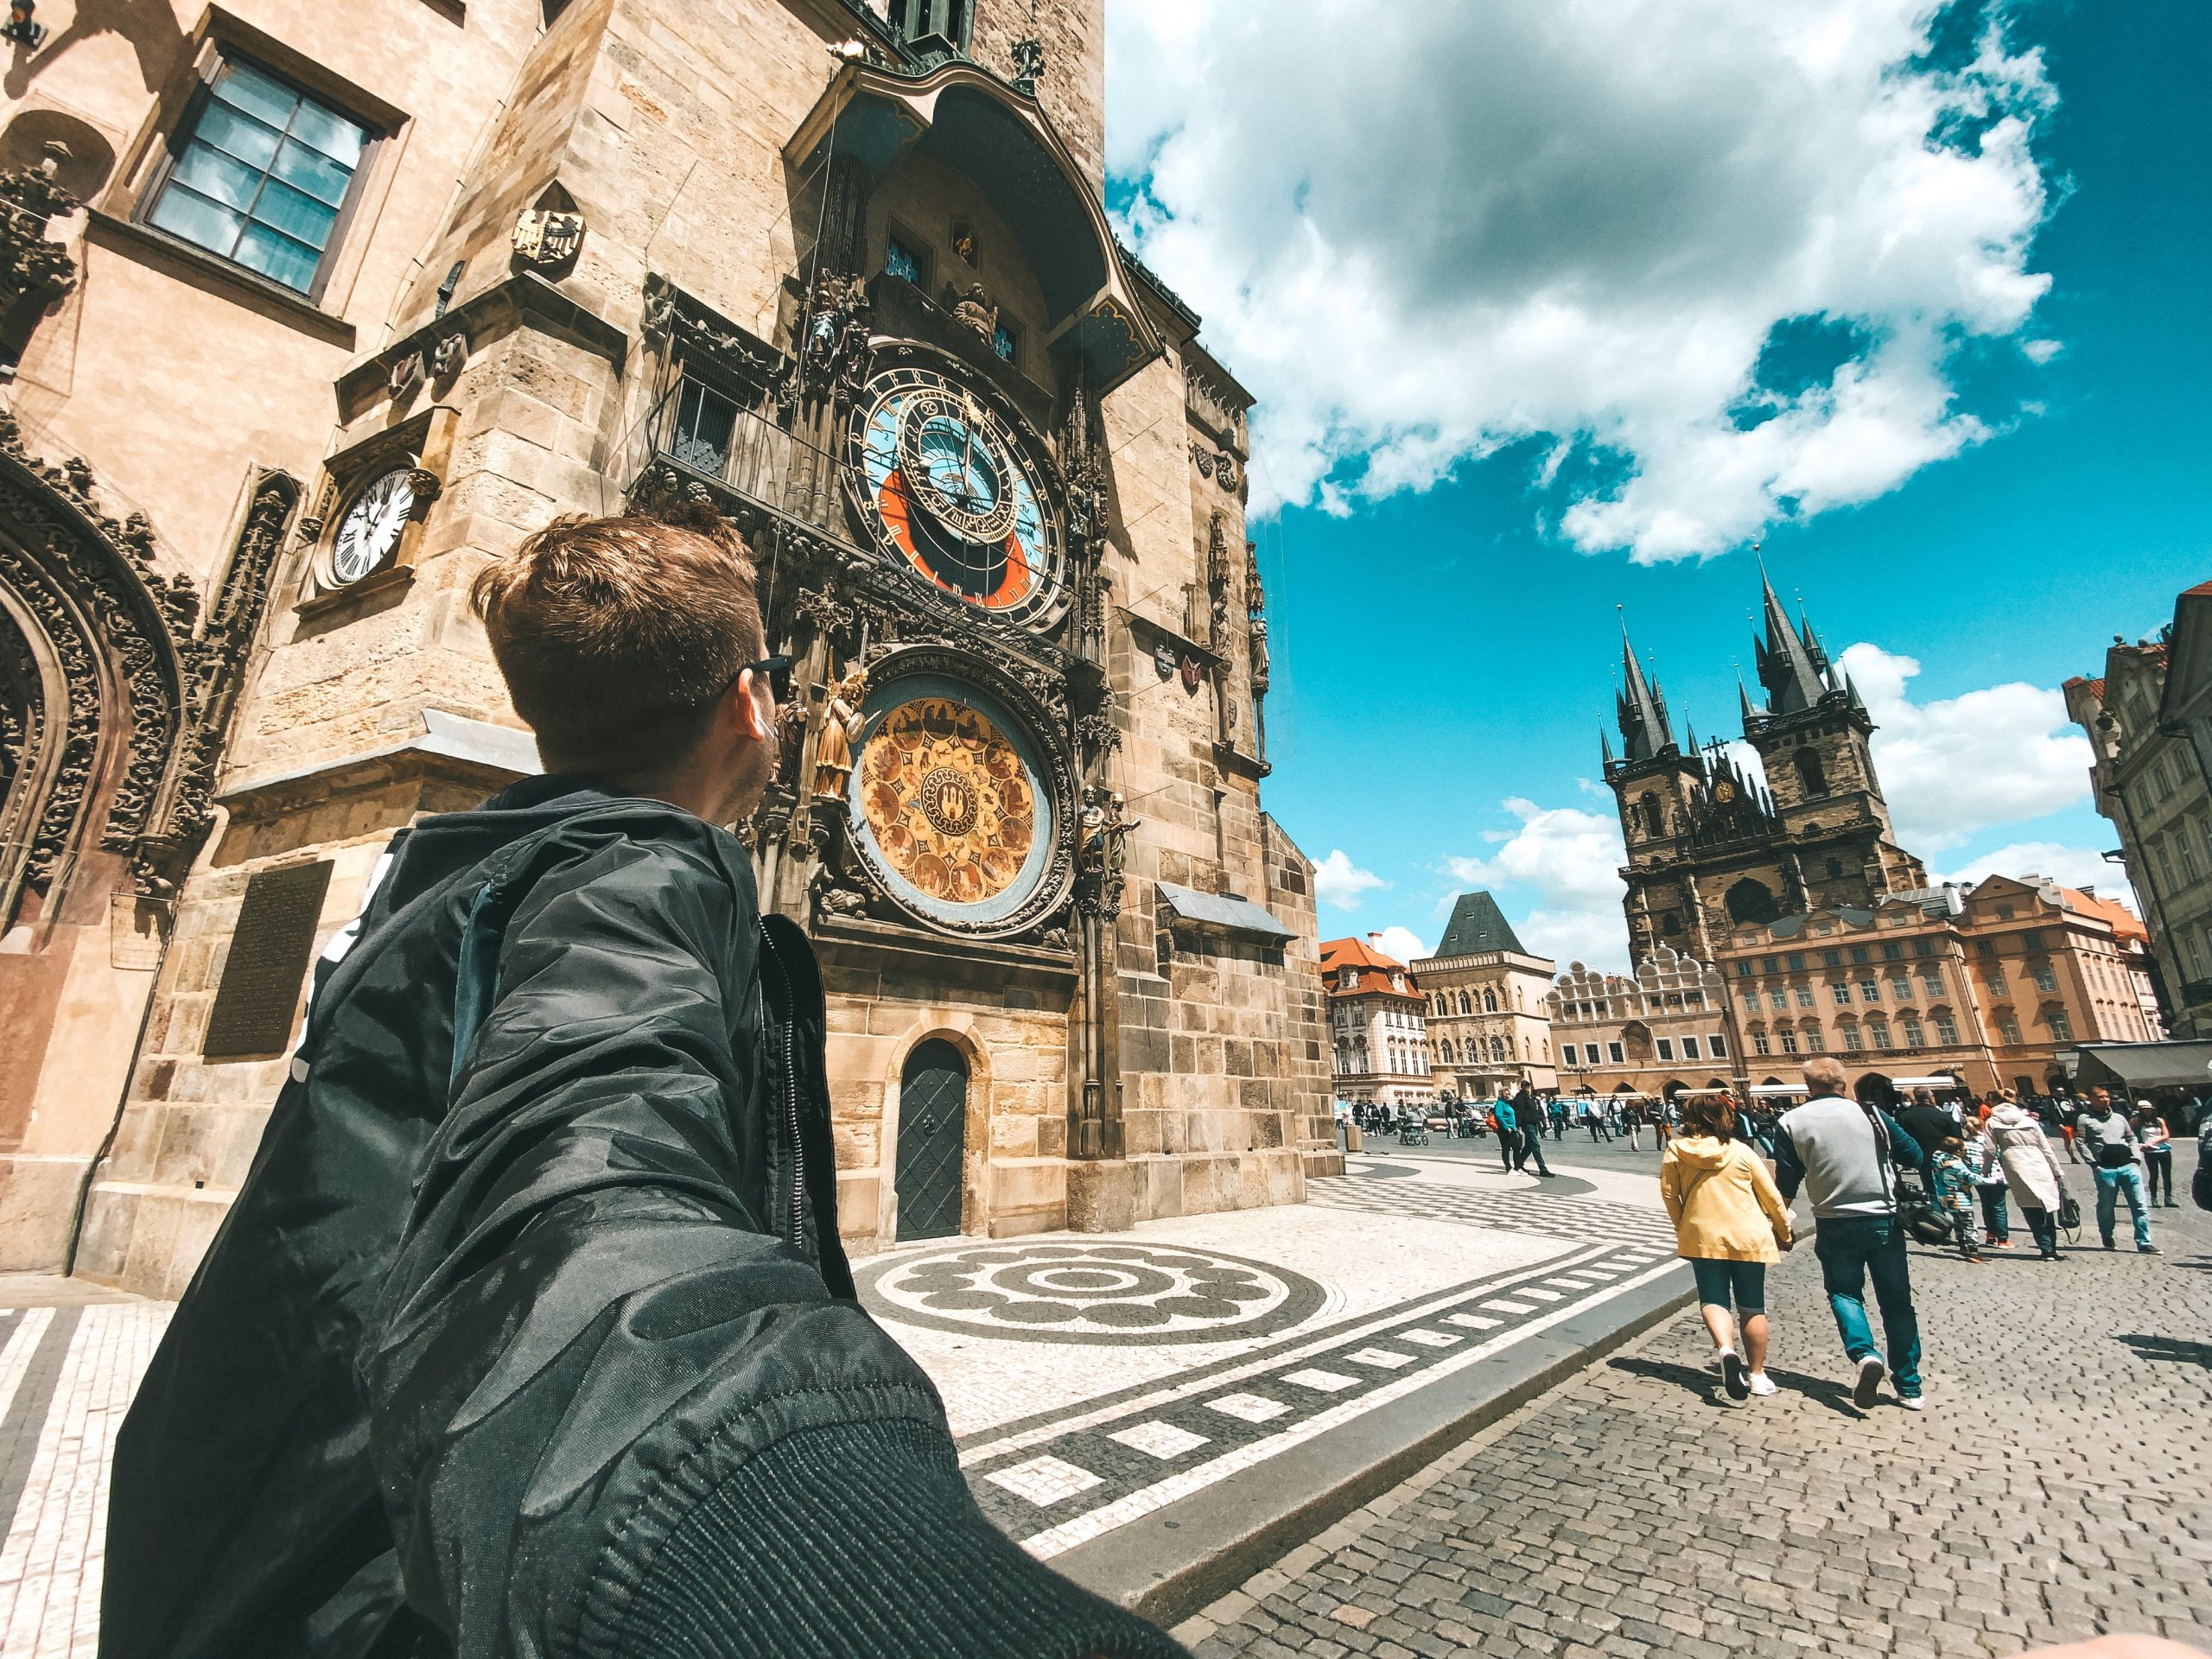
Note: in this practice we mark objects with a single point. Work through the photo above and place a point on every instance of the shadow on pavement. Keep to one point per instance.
(1695, 1379)
(1823, 1390)
(2174, 1350)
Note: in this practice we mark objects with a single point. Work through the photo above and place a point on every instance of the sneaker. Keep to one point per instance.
(2146, 1250)
(1910, 1401)
(1761, 1384)
(1732, 1375)
(1870, 1373)
(2110, 1245)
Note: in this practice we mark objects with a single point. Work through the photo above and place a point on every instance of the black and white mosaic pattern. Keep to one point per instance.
(1059, 1480)
(1104, 1293)
(1553, 1212)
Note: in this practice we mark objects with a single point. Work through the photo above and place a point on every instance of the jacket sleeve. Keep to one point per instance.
(598, 1376)
(1789, 1167)
(1670, 1186)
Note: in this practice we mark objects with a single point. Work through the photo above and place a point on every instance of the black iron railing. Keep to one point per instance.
(711, 435)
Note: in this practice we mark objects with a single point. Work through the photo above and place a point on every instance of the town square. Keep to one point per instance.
(1104, 828)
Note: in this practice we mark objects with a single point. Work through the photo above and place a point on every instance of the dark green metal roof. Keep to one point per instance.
(1478, 923)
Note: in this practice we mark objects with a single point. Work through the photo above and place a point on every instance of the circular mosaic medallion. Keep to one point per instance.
(949, 803)
(1090, 1292)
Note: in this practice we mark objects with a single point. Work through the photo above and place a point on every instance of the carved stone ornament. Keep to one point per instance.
(32, 268)
(405, 372)
(451, 353)
(1028, 66)
(141, 686)
(425, 486)
(1202, 458)
(545, 237)
(1227, 473)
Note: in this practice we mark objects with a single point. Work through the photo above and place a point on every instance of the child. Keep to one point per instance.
(1989, 1172)
(1954, 1193)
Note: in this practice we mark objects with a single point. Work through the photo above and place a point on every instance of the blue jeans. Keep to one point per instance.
(1718, 1280)
(2111, 1183)
(1851, 1248)
(1995, 1220)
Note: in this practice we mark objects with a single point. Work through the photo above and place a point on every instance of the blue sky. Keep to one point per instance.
(1987, 475)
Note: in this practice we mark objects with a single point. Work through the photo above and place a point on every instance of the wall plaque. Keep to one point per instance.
(271, 949)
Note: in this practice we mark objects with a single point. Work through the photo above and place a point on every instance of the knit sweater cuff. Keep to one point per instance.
(862, 1542)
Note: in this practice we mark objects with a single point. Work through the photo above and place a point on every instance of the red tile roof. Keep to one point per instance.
(1373, 967)
(2125, 923)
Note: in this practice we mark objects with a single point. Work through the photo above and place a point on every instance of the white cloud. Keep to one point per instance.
(1571, 860)
(2073, 867)
(1338, 881)
(1581, 222)
(1402, 944)
(1958, 765)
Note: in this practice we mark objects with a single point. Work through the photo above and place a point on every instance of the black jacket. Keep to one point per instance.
(548, 1346)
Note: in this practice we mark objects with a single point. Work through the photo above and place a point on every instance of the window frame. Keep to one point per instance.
(178, 135)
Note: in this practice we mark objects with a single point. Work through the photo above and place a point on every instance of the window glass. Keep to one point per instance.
(1892, 951)
(1716, 1047)
(1789, 1042)
(1804, 996)
(1796, 962)
(1689, 1048)
(900, 260)
(1924, 947)
(1613, 1050)
(1842, 992)
(1869, 991)
(260, 178)
(1666, 1047)
(1004, 342)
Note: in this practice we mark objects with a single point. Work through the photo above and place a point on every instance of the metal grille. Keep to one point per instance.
(932, 1135)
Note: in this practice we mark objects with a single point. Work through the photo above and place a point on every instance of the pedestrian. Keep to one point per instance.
(1951, 1188)
(1989, 1172)
(1729, 1225)
(1558, 1118)
(1663, 1122)
(1508, 1139)
(2108, 1140)
(1844, 1155)
(529, 1330)
(1529, 1115)
(1930, 1126)
(2157, 1152)
(2030, 1166)
(1596, 1114)
(2068, 1112)
(1632, 1125)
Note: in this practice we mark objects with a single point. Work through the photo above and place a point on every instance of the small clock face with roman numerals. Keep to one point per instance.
(369, 534)
(950, 488)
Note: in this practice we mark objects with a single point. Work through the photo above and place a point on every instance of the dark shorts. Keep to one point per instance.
(1717, 1279)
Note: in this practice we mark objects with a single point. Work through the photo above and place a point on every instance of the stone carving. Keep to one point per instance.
(545, 237)
(450, 355)
(833, 355)
(406, 369)
(976, 309)
(1229, 473)
(1102, 856)
(110, 621)
(1098, 732)
(1217, 586)
(1028, 66)
(31, 268)
(1202, 458)
(840, 730)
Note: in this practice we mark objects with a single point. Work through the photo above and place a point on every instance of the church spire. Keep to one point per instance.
(1787, 665)
(1640, 708)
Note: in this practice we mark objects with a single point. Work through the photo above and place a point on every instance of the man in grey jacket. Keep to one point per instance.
(1846, 1156)
(2108, 1142)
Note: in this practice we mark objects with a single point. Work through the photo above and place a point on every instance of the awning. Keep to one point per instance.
(1926, 1083)
(1227, 913)
(2147, 1065)
(1780, 1089)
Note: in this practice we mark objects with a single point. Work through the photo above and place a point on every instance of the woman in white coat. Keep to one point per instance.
(2017, 1140)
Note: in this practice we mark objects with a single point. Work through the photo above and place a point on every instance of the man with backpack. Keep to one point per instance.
(1847, 1155)
(2107, 1140)
(529, 1332)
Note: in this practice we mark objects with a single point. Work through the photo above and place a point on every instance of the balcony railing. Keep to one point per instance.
(711, 435)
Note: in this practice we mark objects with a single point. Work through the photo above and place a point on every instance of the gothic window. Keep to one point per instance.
(1497, 1048)
(1489, 1001)
(1466, 1003)
(1835, 867)
(1812, 783)
(258, 175)
(1651, 815)
(1447, 1051)
(1752, 900)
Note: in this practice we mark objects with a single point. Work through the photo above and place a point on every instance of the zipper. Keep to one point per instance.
(797, 1218)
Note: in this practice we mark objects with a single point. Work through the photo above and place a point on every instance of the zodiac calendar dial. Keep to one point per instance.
(950, 488)
(948, 804)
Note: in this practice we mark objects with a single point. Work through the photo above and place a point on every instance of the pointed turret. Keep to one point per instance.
(1605, 743)
(1641, 709)
(1744, 701)
(1785, 664)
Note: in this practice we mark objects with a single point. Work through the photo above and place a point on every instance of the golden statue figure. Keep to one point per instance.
(841, 728)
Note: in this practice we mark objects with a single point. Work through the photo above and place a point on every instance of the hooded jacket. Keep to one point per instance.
(1722, 1201)
(529, 1331)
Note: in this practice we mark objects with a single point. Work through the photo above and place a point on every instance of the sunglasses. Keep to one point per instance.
(777, 670)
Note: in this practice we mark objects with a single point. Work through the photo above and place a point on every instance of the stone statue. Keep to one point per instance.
(841, 728)
(976, 310)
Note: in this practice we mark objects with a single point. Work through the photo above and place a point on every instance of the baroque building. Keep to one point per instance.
(1378, 1032)
(1488, 1027)
(312, 310)
(1711, 847)
(1644, 1036)
(2150, 782)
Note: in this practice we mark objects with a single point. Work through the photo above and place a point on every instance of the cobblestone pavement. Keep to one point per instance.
(2054, 1489)
(1090, 1379)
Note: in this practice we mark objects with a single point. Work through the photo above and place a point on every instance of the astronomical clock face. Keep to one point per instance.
(952, 491)
(949, 805)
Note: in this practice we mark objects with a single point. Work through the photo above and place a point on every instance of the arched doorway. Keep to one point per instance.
(933, 1138)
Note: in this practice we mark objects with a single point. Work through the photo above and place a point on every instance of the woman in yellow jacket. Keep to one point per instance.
(1729, 1223)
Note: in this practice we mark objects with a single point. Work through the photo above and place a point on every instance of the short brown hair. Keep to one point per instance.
(616, 636)
(1708, 1115)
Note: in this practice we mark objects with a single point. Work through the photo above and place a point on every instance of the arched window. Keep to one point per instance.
(1497, 1048)
(1447, 1051)
(1489, 1001)
(1651, 818)
(1466, 1003)
(1812, 783)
